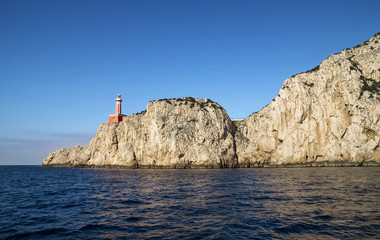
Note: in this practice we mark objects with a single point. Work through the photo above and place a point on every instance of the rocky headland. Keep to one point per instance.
(173, 133)
(327, 116)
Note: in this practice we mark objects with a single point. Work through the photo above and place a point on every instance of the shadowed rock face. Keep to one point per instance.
(184, 132)
(330, 113)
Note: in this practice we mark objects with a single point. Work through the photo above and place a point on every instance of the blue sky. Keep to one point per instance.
(62, 63)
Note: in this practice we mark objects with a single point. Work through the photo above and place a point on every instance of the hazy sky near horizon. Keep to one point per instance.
(62, 63)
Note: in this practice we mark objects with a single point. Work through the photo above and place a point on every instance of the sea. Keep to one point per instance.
(257, 203)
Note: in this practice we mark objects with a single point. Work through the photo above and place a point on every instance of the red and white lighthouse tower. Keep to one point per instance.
(117, 117)
(118, 104)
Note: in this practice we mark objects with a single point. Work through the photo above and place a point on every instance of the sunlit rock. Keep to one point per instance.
(328, 115)
(176, 133)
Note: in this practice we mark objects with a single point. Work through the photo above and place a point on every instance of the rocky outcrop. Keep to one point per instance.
(326, 116)
(329, 115)
(175, 133)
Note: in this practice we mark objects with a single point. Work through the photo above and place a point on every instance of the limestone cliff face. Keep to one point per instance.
(329, 114)
(184, 132)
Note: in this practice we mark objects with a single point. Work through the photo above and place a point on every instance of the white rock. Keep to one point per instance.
(330, 113)
(183, 132)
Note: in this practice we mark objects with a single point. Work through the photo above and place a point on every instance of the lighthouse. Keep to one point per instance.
(117, 117)
(118, 104)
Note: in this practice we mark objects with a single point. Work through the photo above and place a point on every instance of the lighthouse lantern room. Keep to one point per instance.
(117, 117)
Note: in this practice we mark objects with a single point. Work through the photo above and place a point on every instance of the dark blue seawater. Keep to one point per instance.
(284, 203)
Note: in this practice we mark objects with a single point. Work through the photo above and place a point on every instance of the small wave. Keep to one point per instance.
(7, 231)
(131, 202)
(100, 227)
(323, 217)
(70, 205)
(38, 234)
(133, 219)
(43, 206)
(298, 228)
(51, 193)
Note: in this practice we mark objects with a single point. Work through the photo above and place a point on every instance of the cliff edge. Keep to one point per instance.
(174, 133)
(326, 116)
(329, 115)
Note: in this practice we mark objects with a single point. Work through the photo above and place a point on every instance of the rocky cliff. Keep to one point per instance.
(329, 115)
(184, 132)
(326, 116)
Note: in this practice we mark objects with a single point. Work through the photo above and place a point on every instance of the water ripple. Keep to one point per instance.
(302, 203)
